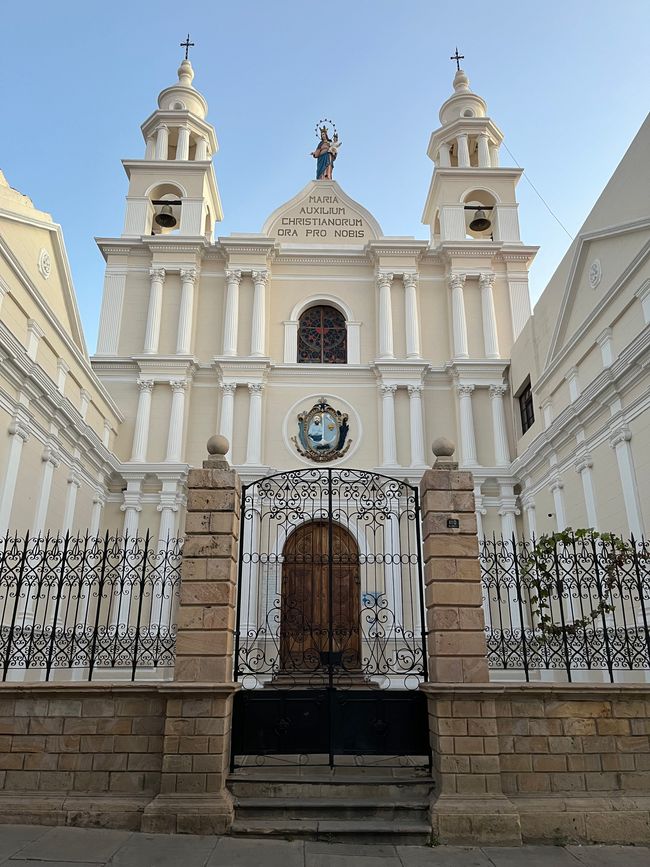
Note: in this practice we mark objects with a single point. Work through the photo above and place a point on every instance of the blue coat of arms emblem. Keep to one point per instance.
(322, 433)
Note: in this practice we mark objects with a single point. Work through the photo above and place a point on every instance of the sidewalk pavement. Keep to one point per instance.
(43, 846)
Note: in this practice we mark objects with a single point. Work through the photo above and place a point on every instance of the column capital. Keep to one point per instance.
(387, 389)
(157, 274)
(168, 500)
(99, 497)
(415, 390)
(84, 394)
(233, 276)
(162, 126)
(228, 387)
(62, 366)
(498, 391)
(145, 385)
(74, 478)
(486, 280)
(621, 435)
(384, 279)
(261, 276)
(584, 462)
(189, 275)
(49, 455)
(20, 427)
(464, 388)
(556, 484)
(34, 328)
(456, 280)
(410, 279)
(256, 387)
(178, 385)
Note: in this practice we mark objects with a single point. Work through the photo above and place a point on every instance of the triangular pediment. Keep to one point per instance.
(322, 213)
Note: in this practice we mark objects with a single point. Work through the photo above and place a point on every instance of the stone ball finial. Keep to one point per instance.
(443, 447)
(218, 446)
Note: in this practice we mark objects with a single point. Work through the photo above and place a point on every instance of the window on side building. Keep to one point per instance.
(526, 411)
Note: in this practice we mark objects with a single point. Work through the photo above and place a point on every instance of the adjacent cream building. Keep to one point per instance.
(410, 339)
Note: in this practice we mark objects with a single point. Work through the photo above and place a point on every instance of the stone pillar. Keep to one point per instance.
(176, 419)
(254, 441)
(196, 746)
(480, 510)
(99, 501)
(202, 150)
(152, 334)
(18, 435)
(132, 506)
(467, 437)
(62, 370)
(531, 516)
(583, 467)
(141, 430)
(384, 281)
(162, 142)
(228, 390)
(150, 149)
(411, 316)
(186, 313)
(231, 318)
(74, 483)
(456, 638)
(557, 487)
(444, 158)
(483, 151)
(388, 425)
(258, 327)
(508, 510)
(51, 460)
(183, 146)
(463, 151)
(85, 398)
(620, 442)
(417, 425)
(459, 325)
(490, 337)
(499, 428)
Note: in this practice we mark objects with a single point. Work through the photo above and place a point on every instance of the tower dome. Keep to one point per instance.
(182, 96)
(463, 102)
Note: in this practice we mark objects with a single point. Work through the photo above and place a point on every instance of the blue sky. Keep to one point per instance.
(567, 82)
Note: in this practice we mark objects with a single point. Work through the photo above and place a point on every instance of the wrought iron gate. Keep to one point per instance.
(330, 645)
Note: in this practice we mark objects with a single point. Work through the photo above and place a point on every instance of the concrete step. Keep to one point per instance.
(335, 831)
(386, 789)
(332, 808)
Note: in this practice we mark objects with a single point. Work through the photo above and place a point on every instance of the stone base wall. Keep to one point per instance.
(541, 762)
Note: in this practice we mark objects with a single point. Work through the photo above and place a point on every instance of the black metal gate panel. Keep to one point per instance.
(330, 644)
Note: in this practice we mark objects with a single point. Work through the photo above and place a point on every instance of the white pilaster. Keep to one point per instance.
(480, 511)
(141, 429)
(111, 313)
(393, 571)
(99, 501)
(150, 149)
(557, 489)
(231, 318)
(604, 341)
(162, 142)
(152, 335)
(547, 412)
(494, 156)
(62, 370)
(388, 425)
(176, 419)
(519, 301)
(354, 342)
(132, 506)
(254, 442)
(463, 151)
(74, 483)
(258, 329)
(417, 425)
(642, 293)
(227, 413)
(106, 436)
(483, 151)
(531, 516)
(186, 313)
(202, 152)
(508, 510)
(467, 436)
(4, 291)
(574, 383)
(620, 442)
(51, 460)
(84, 402)
(499, 427)
(384, 281)
(444, 158)
(459, 325)
(183, 145)
(490, 337)
(412, 317)
(18, 430)
(34, 334)
(583, 468)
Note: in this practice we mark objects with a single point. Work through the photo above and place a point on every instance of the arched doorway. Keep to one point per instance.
(320, 600)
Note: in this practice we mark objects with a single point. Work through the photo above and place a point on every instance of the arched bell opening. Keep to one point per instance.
(320, 600)
(479, 214)
(166, 205)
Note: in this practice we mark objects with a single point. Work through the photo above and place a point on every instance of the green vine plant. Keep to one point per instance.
(539, 565)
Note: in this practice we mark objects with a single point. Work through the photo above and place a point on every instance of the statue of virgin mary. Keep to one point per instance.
(325, 154)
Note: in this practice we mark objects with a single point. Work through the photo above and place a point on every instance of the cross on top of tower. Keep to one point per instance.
(187, 45)
(457, 57)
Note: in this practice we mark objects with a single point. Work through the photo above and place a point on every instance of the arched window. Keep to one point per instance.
(322, 336)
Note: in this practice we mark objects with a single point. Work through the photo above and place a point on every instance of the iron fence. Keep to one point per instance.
(87, 603)
(575, 604)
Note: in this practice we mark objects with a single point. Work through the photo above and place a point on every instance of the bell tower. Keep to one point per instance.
(173, 190)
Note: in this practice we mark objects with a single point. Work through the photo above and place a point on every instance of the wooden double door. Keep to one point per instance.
(320, 605)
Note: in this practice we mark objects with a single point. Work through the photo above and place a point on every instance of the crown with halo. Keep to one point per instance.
(318, 129)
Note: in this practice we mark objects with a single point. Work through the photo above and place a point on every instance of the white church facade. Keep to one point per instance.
(319, 341)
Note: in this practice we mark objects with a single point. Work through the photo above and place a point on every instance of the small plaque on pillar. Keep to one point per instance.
(453, 524)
